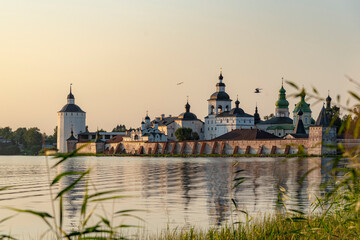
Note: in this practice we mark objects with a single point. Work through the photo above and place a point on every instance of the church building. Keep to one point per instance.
(305, 108)
(281, 124)
(148, 133)
(221, 118)
(187, 119)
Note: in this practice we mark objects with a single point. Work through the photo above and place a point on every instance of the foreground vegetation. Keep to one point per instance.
(333, 226)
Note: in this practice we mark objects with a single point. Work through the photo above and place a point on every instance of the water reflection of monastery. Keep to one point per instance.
(202, 190)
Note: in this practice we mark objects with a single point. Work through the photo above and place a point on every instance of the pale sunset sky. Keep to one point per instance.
(126, 57)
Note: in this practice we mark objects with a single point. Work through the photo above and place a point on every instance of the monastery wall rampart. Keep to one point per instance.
(283, 146)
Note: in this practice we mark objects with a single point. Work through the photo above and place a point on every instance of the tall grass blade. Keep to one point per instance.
(72, 185)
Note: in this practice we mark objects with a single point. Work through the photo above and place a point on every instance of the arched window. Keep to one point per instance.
(220, 108)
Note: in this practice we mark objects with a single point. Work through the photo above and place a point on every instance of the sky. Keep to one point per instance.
(126, 57)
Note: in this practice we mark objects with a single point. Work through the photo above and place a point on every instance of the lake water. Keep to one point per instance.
(176, 192)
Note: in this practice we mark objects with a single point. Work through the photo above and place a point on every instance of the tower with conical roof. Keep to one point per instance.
(282, 105)
(71, 119)
(305, 108)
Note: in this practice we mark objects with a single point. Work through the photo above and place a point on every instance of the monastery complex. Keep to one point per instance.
(227, 129)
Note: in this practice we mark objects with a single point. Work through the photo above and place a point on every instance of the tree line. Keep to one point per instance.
(24, 140)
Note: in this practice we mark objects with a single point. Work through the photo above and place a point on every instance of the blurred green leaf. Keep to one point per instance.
(58, 177)
(72, 185)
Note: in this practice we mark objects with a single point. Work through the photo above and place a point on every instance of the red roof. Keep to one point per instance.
(115, 139)
(246, 134)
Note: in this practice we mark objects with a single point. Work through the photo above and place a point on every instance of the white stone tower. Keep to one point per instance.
(70, 119)
(219, 102)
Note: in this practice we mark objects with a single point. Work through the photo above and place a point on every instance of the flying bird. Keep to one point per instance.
(257, 90)
(179, 83)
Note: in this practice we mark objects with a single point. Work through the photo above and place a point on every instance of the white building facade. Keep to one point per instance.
(149, 132)
(70, 118)
(234, 119)
(221, 118)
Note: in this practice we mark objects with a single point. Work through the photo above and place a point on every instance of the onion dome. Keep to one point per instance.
(221, 76)
(237, 102)
(237, 109)
(221, 84)
(70, 96)
(328, 103)
(302, 105)
(147, 116)
(187, 115)
(219, 96)
(187, 107)
(71, 106)
(328, 99)
(282, 102)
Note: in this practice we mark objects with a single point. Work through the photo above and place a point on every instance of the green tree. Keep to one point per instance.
(18, 135)
(9, 149)
(183, 134)
(33, 140)
(51, 139)
(269, 116)
(334, 114)
(195, 136)
(119, 128)
(6, 133)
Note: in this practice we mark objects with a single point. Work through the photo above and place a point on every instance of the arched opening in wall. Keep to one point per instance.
(212, 109)
(220, 109)
(111, 150)
(118, 149)
(227, 108)
(136, 137)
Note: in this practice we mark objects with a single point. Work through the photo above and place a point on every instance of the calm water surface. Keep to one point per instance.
(174, 191)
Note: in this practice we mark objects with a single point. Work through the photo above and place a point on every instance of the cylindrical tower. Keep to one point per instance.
(70, 118)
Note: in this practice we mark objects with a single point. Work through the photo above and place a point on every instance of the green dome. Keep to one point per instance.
(305, 107)
(282, 102)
